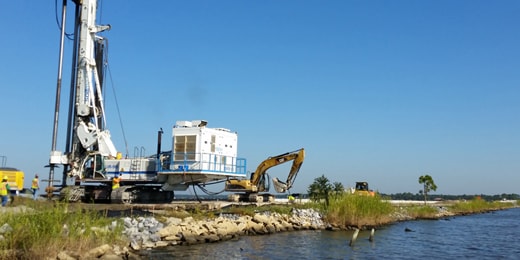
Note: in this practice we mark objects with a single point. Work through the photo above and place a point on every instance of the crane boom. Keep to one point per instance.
(90, 118)
(89, 137)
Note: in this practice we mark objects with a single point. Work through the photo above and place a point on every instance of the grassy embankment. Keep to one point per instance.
(343, 211)
(347, 210)
(363, 211)
(478, 206)
(354, 211)
(47, 228)
(454, 208)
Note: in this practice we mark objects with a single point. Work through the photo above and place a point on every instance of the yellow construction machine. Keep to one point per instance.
(249, 188)
(15, 178)
(362, 189)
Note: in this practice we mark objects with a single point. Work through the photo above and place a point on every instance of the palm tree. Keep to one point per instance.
(320, 189)
(338, 188)
(428, 185)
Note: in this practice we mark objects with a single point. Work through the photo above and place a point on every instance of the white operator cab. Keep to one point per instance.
(201, 154)
(197, 147)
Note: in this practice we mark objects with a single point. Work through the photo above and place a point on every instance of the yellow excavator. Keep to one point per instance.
(249, 188)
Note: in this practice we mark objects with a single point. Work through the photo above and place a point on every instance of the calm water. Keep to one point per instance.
(483, 236)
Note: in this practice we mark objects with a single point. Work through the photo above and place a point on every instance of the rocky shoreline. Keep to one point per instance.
(147, 233)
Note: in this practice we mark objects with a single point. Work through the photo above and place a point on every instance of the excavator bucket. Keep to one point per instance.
(279, 186)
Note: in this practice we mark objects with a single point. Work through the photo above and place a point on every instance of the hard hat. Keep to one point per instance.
(36, 176)
(5, 178)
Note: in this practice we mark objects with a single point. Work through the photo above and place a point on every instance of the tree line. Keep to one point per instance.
(419, 196)
(322, 188)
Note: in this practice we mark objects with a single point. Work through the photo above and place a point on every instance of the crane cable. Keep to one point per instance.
(211, 192)
(112, 85)
(59, 23)
(117, 107)
(204, 189)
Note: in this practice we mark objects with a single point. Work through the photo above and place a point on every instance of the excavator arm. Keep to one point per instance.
(296, 156)
(280, 186)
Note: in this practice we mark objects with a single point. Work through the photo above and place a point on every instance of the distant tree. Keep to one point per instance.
(320, 189)
(338, 188)
(428, 185)
(401, 196)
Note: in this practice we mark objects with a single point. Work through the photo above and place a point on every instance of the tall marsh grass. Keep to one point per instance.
(44, 231)
(349, 210)
(478, 205)
(421, 211)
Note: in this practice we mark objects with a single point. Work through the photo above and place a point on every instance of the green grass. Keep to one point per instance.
(250, 210)
(477, 206)
(348, 210)
(421, 211)
(53, 227)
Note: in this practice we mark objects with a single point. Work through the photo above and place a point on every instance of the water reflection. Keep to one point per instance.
(484, 236)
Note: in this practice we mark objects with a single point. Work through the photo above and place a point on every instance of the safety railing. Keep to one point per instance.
(186, 162)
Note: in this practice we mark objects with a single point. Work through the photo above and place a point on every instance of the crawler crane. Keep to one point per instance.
(199, 154)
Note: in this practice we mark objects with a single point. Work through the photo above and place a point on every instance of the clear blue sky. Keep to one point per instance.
(380, 91)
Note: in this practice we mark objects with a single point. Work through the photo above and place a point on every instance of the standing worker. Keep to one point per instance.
(4, 191)
(115, 182)
(35, 186)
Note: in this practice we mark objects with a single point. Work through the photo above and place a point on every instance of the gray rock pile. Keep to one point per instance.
(141, 232)
(147, 232)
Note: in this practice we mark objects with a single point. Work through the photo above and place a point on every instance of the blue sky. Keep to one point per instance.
(379, 91)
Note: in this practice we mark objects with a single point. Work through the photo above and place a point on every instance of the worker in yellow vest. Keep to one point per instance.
(35, 186)
(4, 191)
(115, 182)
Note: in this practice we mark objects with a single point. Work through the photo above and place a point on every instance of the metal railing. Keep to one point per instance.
(186, 162)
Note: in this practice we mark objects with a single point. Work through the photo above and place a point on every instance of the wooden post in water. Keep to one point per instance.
(354, 237)
(371, 238)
